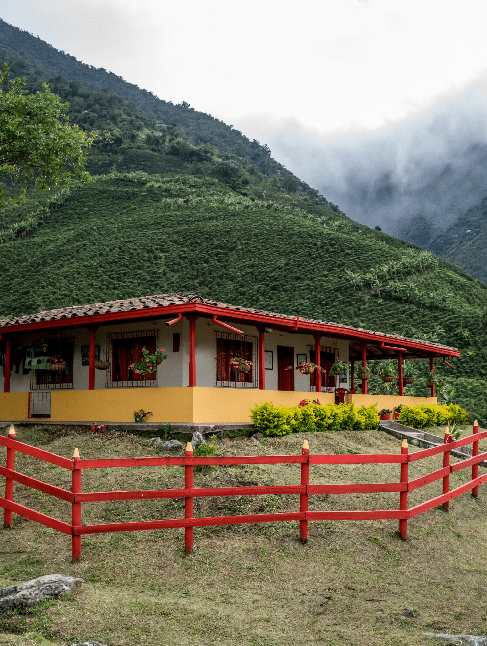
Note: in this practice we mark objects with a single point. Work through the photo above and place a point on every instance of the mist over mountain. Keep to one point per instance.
(413, 178)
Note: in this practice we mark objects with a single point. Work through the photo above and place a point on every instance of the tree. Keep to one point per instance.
(37, 145)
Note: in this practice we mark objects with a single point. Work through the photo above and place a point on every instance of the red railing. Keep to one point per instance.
(188, 461)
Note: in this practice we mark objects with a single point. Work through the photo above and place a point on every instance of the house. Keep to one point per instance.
(196, 383)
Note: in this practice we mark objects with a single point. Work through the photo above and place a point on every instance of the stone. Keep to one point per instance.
(459, 640)
(197, 440)
(30, 593)
(156, 441)
(89, 644)
(257, 437)
(172, 445)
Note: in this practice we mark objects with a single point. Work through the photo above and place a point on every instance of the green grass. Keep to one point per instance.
(251, 584)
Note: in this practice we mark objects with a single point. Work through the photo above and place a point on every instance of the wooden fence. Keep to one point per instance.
(76, 498)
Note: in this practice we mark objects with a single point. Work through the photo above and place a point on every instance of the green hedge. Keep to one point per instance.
(424, 415)
(280, 420)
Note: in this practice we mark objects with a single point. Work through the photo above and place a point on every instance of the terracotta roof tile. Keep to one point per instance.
(181, 298)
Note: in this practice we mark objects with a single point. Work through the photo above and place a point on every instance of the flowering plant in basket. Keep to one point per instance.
(241, 364)
(149, 362)
(307, 368)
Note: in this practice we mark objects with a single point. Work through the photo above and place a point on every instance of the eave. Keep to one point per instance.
(378, 345)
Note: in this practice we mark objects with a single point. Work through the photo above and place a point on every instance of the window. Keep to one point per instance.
(55, 380)
(126, 348)
(232, 345)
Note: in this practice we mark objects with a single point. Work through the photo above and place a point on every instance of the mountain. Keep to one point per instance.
(167, 213)
(416, 179)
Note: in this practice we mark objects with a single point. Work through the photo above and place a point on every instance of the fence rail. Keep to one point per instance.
(75, 496)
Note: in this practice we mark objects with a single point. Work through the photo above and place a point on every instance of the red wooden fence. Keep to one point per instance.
(304, 490)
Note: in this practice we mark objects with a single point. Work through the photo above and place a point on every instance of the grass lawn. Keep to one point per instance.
(354, 582)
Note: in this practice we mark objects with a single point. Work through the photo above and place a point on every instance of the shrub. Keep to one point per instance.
(271, 420)
(281, 420)
(433, 415)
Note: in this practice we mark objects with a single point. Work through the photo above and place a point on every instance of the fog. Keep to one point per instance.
(432, 165)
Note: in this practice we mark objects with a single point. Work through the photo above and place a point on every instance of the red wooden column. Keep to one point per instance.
(9, 483)
(364, 363)
(399, 374)
(8, 359)
(475, 451)
(76, 508)
(431, 373)
(318, 363)
(261, 359)
(192, 350)
(303, 498)
(188, 502)
(91, 369)
(403, 495)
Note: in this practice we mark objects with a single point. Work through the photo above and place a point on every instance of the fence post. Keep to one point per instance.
(403, 495)
(303, 498)
(475, 451)
(9, 483)
(446, 463)
(188, 503)
(75, 508)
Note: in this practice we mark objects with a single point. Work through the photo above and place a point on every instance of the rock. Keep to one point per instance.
(30, 593)
(257, 437)
(172, 445)
(156, 441)
(196, 440)
(89, 644)
(410, 612)
(460, 640)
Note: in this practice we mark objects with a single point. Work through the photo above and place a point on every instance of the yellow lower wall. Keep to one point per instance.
(14, 406)
(177, 405)
(388, 401)
(232, 405)
(166, 405)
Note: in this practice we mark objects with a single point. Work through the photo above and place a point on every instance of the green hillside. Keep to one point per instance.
(465, 241)
(129, 234)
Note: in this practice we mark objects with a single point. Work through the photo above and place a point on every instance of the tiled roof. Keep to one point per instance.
(184, 298)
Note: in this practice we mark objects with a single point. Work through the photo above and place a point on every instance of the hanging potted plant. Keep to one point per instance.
(363, 373)
(307, 368)
(338, 368)
(241, 365)
(149, 362)
(58, 364)
(408, 376)
(102, 365)
(386, 372)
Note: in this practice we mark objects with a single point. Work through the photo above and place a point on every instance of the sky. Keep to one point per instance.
(325, 68)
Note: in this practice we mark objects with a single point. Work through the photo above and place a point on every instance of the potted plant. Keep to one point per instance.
(397, 412)
(140, 415)
(338, 368)
(241, 365)
(307, 368)
(408, 376)
(149, 362)
(386, 372)
(102, 365)
(385, 414)
(58, 364)
(363, 372)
